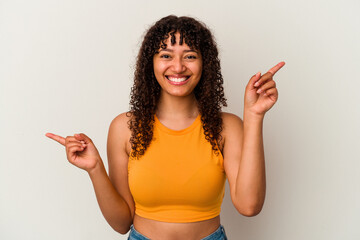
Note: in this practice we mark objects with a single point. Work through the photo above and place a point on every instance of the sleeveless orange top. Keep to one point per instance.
(179, 178)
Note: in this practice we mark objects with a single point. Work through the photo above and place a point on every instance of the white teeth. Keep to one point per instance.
(177, 79)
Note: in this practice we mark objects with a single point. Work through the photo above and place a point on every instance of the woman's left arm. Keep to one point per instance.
(249, 186)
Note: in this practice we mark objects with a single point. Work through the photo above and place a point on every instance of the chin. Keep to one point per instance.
(178, 93)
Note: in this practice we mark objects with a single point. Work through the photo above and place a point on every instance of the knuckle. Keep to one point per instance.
(268, 75)
(68, 149)
(271, 83)
(72, 149)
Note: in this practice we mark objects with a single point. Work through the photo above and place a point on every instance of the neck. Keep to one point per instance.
(177, 107)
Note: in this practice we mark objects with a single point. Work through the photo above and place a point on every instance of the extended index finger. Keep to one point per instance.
(57, 138)
(276, 68)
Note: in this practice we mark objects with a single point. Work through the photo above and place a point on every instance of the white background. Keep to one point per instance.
(67, 67)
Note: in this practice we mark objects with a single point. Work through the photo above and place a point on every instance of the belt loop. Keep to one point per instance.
(222, 228)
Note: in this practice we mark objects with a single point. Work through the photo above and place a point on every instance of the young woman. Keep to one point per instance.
(170, 155)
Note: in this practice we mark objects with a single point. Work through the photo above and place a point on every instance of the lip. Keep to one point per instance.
(177, 76)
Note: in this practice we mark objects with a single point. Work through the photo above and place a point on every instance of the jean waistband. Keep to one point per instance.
(215, 235)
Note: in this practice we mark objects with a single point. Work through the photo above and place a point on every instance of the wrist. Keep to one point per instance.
(97, 169)
(252, 116)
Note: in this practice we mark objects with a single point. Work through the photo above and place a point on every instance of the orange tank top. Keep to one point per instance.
(179, 178)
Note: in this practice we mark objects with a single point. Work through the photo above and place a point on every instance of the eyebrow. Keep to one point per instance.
(170, 50)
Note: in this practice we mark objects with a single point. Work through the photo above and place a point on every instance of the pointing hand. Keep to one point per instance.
(80, 150)
(261, 93)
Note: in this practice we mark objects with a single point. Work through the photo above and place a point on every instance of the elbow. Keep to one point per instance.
(249, 210)
(249, 206)
(123, 232)
(121, 228)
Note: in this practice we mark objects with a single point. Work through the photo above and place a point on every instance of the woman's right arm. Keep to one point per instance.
(112, 192)
(118, 148)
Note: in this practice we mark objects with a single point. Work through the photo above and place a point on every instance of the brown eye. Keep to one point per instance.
(191, 57)
(165, 56)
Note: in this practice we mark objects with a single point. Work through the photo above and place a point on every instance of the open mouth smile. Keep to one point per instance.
(177, 80)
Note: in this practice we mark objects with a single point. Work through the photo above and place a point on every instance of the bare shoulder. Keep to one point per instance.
(231, 122)
(226, 116)
(121, 121)
(119, 131)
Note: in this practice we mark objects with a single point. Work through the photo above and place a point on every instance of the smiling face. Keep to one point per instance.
(177, 68)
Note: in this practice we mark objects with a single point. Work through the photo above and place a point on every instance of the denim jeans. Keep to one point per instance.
(219, 234)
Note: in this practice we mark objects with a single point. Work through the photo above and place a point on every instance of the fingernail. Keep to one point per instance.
(258, 74)
(258, 91)
(256, 84)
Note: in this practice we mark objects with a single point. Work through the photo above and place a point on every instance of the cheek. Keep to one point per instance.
(159, 68)
(199, 69)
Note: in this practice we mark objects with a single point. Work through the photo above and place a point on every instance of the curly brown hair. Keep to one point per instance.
(145, 93)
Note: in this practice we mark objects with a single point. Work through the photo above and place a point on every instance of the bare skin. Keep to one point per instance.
(241, 147)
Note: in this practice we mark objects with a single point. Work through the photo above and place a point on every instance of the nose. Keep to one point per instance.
(178, 65)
